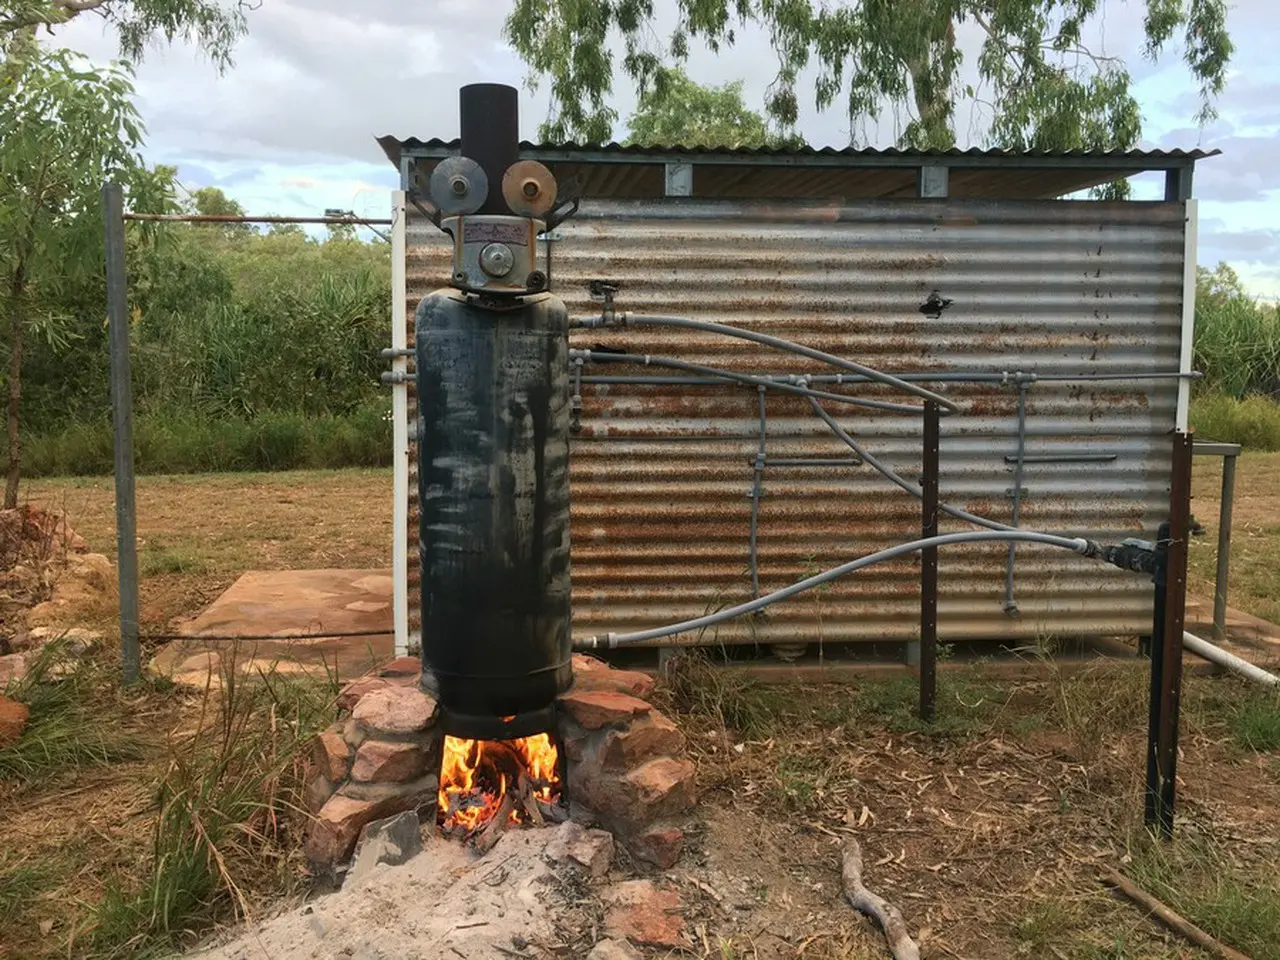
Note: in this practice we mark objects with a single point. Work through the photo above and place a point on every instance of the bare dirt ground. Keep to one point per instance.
(987, 829)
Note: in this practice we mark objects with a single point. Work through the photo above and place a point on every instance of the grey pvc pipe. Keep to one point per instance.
(891, 475)
(611, 640)
(790, 346)
(799, 389)
(1237, 665)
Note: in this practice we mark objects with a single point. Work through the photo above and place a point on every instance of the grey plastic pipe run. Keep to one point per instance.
(790, 346)
(610, 640)
(897, 479)
(798, 385)
(1215, 654)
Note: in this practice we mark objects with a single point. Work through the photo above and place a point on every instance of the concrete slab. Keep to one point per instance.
(312, 621)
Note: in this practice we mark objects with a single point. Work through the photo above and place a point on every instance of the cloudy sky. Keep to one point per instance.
(290, 129)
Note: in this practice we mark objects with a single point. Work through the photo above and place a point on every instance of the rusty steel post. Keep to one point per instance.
(1166, 646)
(929, 566)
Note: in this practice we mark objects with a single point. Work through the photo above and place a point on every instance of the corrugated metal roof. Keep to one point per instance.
(616, 171)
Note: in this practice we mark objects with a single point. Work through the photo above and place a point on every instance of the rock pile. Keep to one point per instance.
(625, 763)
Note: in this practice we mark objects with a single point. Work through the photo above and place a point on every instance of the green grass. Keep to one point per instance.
(156, 559)
(21, 882)
(191, 444)
(1253, 422)
(1254, 720)
(1237, 343)
(1196, 880)
(71, 725)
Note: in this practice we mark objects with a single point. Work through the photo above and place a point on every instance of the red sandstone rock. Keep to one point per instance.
(402, 667)
(398, 711)
(660, 844)
(584, 664)
(662, 787)
(645, 738)
(354, 691)
(336, 828)
(319, 790)
(629, 682)
(380, 762)
(598, 708)
(13, 721)
(637, 910)
(592, 849)
(332, 755)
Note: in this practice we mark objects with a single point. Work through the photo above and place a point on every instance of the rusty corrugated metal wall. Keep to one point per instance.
(662, 476)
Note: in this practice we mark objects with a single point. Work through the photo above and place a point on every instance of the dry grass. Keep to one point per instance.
(131, 821)
(1255, 533)
(990, 831)
(197, 534)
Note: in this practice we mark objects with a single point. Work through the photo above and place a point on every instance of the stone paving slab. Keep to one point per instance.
(301, 620)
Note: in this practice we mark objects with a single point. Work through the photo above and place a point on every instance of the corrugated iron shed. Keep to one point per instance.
(614, 171)
(1090, 298)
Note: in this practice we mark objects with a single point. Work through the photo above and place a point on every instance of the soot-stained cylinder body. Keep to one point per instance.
(493, 489)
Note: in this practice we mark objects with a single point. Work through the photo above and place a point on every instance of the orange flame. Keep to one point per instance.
(477, 775)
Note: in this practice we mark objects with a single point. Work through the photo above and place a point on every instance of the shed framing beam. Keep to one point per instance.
(1121, 165)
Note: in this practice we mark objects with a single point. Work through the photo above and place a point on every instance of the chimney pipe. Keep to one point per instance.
(490, 126)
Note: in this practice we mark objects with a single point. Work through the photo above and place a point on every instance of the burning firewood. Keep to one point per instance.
(491, 833)
(524, 790)
(882, 911)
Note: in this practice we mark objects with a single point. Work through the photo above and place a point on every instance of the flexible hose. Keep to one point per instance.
(611, 640)
(790, 346)
(890, 474)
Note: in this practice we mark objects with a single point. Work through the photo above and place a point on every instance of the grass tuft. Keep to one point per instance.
(73, 722)
(1254, 720)
(230, 814)
(1197, 880)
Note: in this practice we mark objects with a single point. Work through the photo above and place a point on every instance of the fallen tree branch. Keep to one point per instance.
(1165, 915)
(882, 911)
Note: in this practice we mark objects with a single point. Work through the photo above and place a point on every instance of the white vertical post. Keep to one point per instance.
(400, 431)
(1188, 313)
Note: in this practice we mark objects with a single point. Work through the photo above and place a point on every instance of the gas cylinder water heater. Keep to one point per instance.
(492, 357)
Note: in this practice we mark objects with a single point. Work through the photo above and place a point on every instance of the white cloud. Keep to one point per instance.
(291, 128)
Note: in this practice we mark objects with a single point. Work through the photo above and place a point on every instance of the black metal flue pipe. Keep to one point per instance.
(490, 122)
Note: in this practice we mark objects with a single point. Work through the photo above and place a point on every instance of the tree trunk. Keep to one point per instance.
(17, 332)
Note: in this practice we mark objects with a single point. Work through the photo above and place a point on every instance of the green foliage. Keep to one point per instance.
(676, 111)
(173, 442)
(212, 26)
(1237, 343)
(67, 128)
(1254, 422)
(1038, 79)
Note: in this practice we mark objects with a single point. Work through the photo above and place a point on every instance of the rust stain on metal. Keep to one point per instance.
(661, 476)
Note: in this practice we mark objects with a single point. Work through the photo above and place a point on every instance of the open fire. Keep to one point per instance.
(488, 785)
